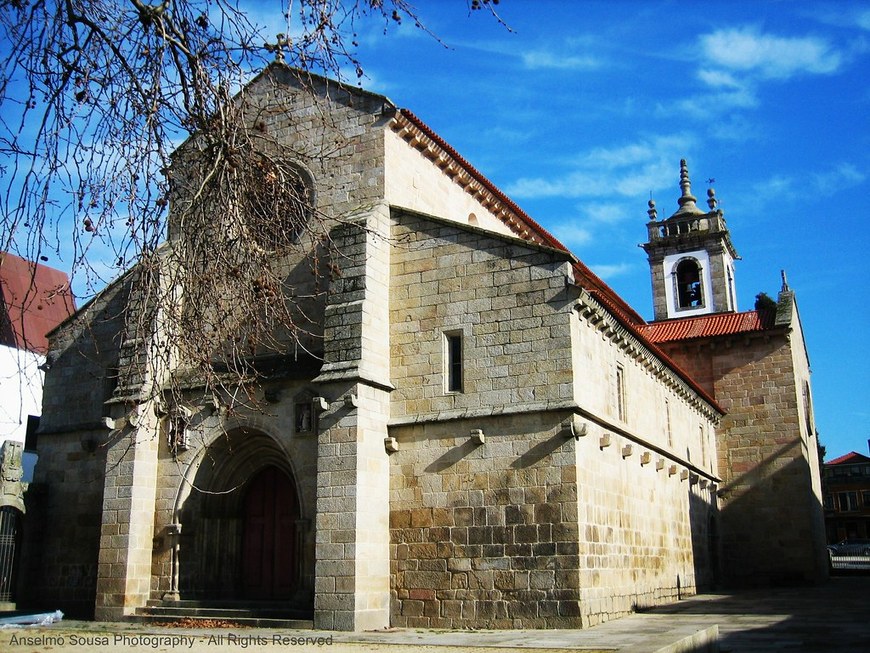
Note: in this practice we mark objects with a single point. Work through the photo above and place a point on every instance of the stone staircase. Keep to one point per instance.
(254, 614)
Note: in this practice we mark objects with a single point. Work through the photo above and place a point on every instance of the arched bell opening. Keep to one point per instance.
(240, 523)
(690, 289)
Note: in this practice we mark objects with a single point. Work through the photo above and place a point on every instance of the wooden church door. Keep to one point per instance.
(269, 540)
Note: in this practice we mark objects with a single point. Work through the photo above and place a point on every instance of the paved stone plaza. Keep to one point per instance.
(823, 619)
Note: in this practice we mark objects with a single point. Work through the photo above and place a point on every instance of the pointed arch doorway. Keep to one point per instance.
(269, 551)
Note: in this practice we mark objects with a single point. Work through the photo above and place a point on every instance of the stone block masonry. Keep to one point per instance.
(481, 535)
(129, 494)
(524, 530)
(352, 541)
(484, 536)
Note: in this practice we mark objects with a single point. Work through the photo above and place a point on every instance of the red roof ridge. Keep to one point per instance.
(851, 457)
(584, 277)
(637, 331)
(711, 325)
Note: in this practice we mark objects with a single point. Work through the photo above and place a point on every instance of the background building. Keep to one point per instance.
(846, 483)
(34, 299)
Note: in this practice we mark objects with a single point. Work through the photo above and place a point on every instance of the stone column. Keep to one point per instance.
(130, 486)
(352, 571)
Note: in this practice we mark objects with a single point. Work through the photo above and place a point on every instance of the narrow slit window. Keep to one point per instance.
(620, 392)
(454, 362)
(668, 423)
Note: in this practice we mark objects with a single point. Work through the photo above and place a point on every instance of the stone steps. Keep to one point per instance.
(244, 613)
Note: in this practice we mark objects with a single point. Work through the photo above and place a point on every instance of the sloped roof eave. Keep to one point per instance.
(662, 356)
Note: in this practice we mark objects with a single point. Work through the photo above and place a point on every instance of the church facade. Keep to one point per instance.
(484, 434)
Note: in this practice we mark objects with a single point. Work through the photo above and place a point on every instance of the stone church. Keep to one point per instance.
(483, 434)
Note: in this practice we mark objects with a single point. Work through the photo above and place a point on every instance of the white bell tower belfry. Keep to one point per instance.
(691, 257)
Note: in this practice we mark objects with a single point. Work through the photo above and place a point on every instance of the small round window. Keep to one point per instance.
(278, 202)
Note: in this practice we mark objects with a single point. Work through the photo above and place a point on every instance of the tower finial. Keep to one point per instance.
(785, 287)
(652, 212)
(712, 202)
(685, 184)
(686, 198)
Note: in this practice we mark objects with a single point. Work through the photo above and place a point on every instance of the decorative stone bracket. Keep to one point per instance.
(12, 487)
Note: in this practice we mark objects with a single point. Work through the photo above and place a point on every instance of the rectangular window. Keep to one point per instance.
(620, 392)
(703, 444)
(848, 501)
(865, 498)
(453, 360)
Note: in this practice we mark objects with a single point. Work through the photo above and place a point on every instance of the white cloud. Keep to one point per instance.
(720, 79)
(549, 60)
(571, 234)
(708, 105)
(823, 183)
(630, 170)
(768, 56)
(734, 62)
(844, 175)
(610, 270)
(605, 212)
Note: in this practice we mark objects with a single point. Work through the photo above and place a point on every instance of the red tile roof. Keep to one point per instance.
(35, 299)
(707, 326)
(850, 458)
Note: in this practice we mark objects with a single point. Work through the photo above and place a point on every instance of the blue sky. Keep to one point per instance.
(586, 108)
(582, 109)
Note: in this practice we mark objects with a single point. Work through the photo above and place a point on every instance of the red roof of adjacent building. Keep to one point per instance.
(850, 458)
(707, 326)
(34, 299)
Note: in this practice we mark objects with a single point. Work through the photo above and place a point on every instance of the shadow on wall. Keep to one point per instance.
(772, 528)
(704, 524)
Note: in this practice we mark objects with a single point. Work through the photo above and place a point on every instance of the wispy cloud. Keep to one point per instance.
(611, 186)
(733, 62)
(822, 183)
(538, 60)
(629, 170)
(769, 56)
(608, 271)
(843, 176)
(604, 212)
(571, 234)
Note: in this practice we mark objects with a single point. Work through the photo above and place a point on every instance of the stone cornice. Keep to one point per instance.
(601, 319)
(570, 406)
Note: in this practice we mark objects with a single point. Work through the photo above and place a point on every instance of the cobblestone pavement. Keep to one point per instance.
(833, 618)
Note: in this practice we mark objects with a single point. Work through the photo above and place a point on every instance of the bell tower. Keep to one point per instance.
(691, 257)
